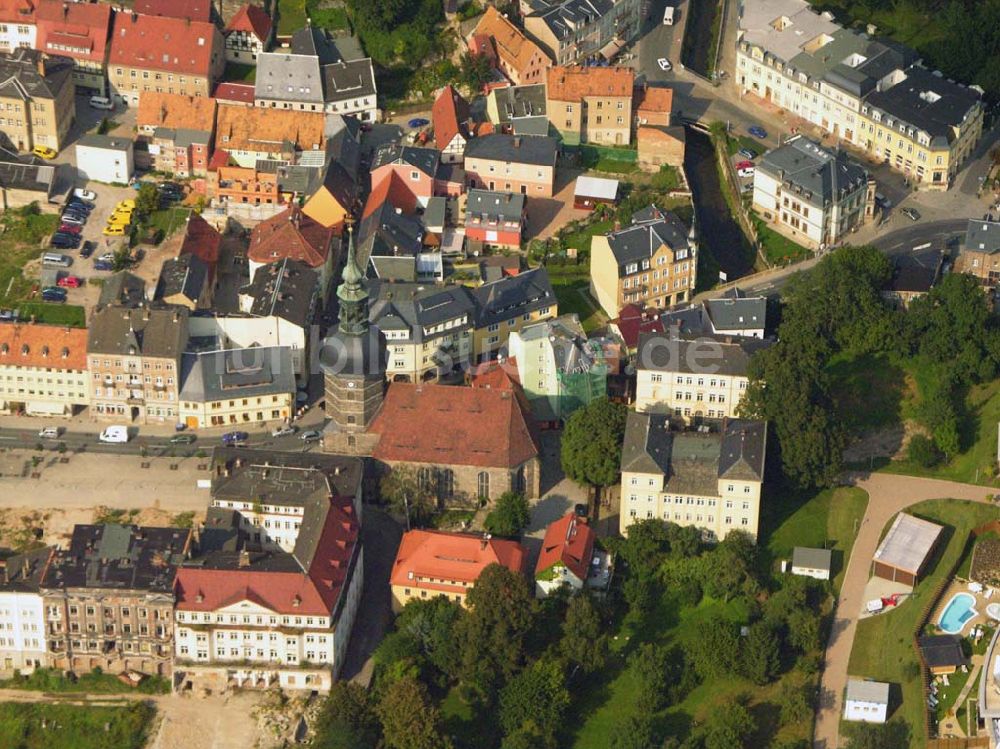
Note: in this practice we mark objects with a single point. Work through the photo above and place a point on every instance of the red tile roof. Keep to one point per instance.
(202, 240)
(158, 43)
(393, 188)
(290, 234)
(568, 540)
(458, 557)
(494, 375)
(632, 321)
(74, 29)
(252, 19)
(239, 92)
(219, 158)
(449, 116)
(658, 100)
(577, 83)
(44, 346)
(446, 425)
(17, 11)
(190, 10)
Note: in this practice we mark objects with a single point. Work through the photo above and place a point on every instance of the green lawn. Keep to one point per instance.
(55, 314)
(333, 19)
(48, 680)
(239, 73)
(668, 178)
(168, 220)
(571, 284)
(20, 243)
(615, 166)
(948, 694)
(868, 391)
(777, 248)
(883, 645)
(291, 16)
(73, 727)
(962, 712)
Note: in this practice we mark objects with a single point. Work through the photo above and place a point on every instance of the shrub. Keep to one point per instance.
(923, 451)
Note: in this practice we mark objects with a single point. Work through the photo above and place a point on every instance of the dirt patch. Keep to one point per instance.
(889, 442)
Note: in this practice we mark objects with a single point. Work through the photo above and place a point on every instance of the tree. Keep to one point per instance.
(592, 443)
(406, 494)
(583, 643)
(716, 651)
(122, 258)
(657, 670)
(536, 697)
(347, 720)
(760, 656)
(794, 701)
(429, 626)
(892, 735)
(476, 71)
(509, 516)
(923, 451)
(147, 200)
(803, 631)
(729, 727)
(409, 718)
(731, 567)
(646, 547)
(634, 732)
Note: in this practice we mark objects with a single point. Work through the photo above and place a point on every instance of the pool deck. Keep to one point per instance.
(981, 602)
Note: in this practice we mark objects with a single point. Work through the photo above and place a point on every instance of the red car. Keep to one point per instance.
(744, 165)
(70, 228)
(69, 282)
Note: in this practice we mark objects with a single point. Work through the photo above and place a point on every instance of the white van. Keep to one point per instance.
(114, 434)
(668, 16)
(101, 102)
(54, 258)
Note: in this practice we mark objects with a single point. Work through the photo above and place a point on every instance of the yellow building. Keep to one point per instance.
(591, 104)
(37, 99)
(505, 306)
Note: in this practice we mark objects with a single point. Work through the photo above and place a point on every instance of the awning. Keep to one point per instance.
(611, 49)
(45, 408)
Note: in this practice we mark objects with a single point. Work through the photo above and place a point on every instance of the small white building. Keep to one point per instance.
(105, 158)
(815, 563)
(22, 619)
(866, 701)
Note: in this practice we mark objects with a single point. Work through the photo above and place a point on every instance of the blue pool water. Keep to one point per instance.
(958, 611)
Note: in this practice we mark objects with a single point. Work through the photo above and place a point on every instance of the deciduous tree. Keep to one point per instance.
(592, 443)
(409, 719)
(509, 516)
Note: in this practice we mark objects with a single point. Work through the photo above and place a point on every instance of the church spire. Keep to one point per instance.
(352, 293)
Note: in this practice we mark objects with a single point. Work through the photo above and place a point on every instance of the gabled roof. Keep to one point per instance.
(18, 174)
(569, 541)
(457, 557)
(817, 559)
(153, 42)
(656, 100)
(577, 83)
(388, 233)
(140, 331)
(535, 150)
(512, 46)
(234, 92)
(42, 346)
(416, 307)
(286, 290)
(237, 373)
(285, 76)
(815, 174)
(449, 116)
(252, 19)
(392, 189)
(290, 234)
(632, 322)
(982, 236)
(394, 154)
(492, 207)
(942, 651)
(157, 109)
(729, 356)
(641, 240)
(513, 296)
(574, 17)
(439, 424)
(21, 76)
(268, 130)
(188, 10)
(348, 79)
(23, 573)
(77, 30)
(17, 11)
(201, 239)
(185, 275)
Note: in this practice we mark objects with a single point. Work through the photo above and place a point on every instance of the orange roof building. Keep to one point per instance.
(43, 369)
(450, 118)
(254, 133)
(433, 563)
(158, 109)
(78, 31)
(519, 59)
(566, 554)
(590, 104)
(293, 235)
(654, 106)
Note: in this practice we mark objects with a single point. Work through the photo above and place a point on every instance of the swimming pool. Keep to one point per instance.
(958, 611)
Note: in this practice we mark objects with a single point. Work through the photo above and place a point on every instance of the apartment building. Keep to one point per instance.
(179, 129)
(514, 54)
(427, 329)
(292, 235)
(732, 314)
(43, 369)
(80, 32)
(247, 34)
(709, 480)
(512, 163)
(271, 596)
(134, 357)
(572, 31)
(37, 99)
(163, 55)
(590, 104)
(109, 599)
(980, 254)
(18, 25)
(507, 305)
(252, 134)
(693, 379)
(873, 95)
(811, 194)
(518, 110)
(415, 168)
(23, 645)
(652, 263)
(494, 219)
(433, 563)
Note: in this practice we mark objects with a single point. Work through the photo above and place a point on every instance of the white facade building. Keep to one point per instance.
(104, 158)
(22, 613)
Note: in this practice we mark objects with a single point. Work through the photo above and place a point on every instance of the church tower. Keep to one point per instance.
(354, 359)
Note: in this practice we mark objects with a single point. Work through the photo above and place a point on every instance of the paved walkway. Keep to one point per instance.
(887, 495)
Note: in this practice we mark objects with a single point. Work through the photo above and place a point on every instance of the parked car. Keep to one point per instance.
(114, 231)
(664, 64)
(101, 102)
(748, 153)
(50, 433)
(70, 228)
(183, 439)
(70, 282)
(746, 172)
(120, 219)
(125, 205)
(283, 431)
(102, 265)
(106, 257)
(8, 315)
(312, 435)
(757, 132)
(50, 295)
(114, 434)
(84, 194)
(745, 164)
(911, 213)
(73, 218)
(80, 204)
(88, 249)
(44, 152)
(418, 122)
(231, 439)
(65, 241)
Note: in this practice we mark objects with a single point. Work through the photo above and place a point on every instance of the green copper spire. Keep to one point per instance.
(352, 294)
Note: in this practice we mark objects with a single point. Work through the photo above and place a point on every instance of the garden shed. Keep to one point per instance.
(904, 551)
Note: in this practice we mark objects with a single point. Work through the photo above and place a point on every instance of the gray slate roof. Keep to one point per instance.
(107, 142)
(703, 355)
(571, 16)
(123, 288)
(237, 373)
(518, 102)
(639, 241)
(348, 80)
(186, 275)
(289, 77)
(21, 79)
(416, 307)
(159, 332)
(494, 207)
(285, 289)
(736, 314)
(386, 233)
(816, 559)
(538, 151)
(424, 159)
(816, 174)
(512, 297)
(22, 573)
(16, 174)
(983, 236)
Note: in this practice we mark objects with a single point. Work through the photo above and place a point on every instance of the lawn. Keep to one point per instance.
(237, 73)
(48, 680)
(55, 314)
(615, 166)
(291, 16)
(668, 178)
(571, 284)
(168, 220)
(777, 248)
(333, 19)
(883, 645)
(56, 726)
(20, 243)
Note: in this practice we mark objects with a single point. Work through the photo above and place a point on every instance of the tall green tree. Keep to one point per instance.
(147, 200)
(409, 719)
(537, 697)
(634, 732)
(592, 443)
(584, 644)
(347, 719)
(760, 655)
(509, 516)
(429, 625)
(730, 726)
(402, 489)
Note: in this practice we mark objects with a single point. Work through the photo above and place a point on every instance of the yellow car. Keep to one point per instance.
(120, 219)
(114, 231)
(44, 152)
(125, 205)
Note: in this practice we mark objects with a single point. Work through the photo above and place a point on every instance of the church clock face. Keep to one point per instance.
(351, 384)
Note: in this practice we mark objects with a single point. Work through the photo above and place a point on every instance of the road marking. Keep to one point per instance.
(923, 246)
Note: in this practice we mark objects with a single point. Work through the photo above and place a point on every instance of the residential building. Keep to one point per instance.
(415, 167)
(134, 356)
(234, 94)
(105, 158)
(572, 31)
(24, 181)
(812, 195)
(653, 262)
(292, 235)
(559, 369)
(733, 314)
(494, 219)
(43, 369)
(693, 379)
(867, 701)
(512, 163)
(434, 563)
(659, 147)
(450, 119)
(204, 241)
(943, 654)
(516, 56)
(256, 134)
(814, 563)
(123, 289)
(161, 54)
(238, 185)
(708, 480)
(509, 304)
(566, 555)
(913, 276)
(179, 129)
(980, 253)
(38, 96)
(187, 10)
(653, 105)
(590, 104)
(632, 322)
(23, 645)
(391, 247)
(109, 599)
(427, 329)
(873, 95)
(237, 387)
(335, 196)
(247, 34)
(80, 32)
(518, 110)
(186, 281)
(18, 25)
(271, 597)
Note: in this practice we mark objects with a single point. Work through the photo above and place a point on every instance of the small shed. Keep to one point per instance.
(866, 701)
(816, 563)
(942, 653)
(904, 551)
(593, 191)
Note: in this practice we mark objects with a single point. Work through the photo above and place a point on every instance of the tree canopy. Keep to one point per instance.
(592, 443)
(509, 516)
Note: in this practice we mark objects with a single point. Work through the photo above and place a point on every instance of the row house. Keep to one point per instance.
(163, 55)
(80, 32)
(518, 110)
(415, 167)
(591, 104)
(18, 25)
(512, 163)
(574, 31)
(509, 304)
(707, 480)
(652, 263)
(495, 219)
(37, 99)
(134, 357)
(292, 235)
(450, 118)
(178, 129)
(23, 642)
(335, 197)
(732, 314)
(515, 55)
(255, 134)
(271, 596)
(185, 10)
(43, 369)
(248, 34)
(109, 599)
